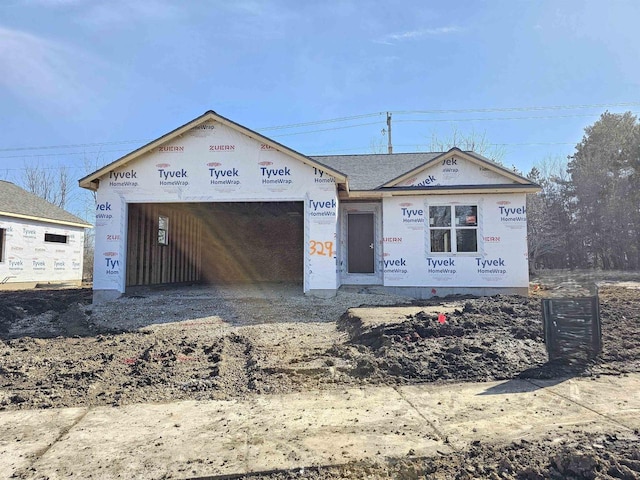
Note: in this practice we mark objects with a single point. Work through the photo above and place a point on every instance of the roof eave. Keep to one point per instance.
(46, 220)
(387, 192)
(466, 155)
(450, 189)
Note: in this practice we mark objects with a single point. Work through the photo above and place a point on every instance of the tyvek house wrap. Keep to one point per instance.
(214, 163)
(29, 258)
(501, 257)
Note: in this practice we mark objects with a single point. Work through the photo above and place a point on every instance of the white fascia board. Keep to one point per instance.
(46, 220)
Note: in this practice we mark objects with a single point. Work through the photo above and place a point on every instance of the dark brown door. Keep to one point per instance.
(360, 243)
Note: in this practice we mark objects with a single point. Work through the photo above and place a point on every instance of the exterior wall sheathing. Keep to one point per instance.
(500, 261)
(28, 259)
(213, 163)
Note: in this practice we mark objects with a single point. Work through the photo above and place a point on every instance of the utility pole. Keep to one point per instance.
(390, 145)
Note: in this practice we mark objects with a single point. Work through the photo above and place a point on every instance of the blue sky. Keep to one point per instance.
(104, 77)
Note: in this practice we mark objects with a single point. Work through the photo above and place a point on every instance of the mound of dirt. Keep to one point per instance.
(46, 313)
(123, 368)
(491, 338)
(487, 338)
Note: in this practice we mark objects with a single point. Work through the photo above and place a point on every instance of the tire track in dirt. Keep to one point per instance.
(236, 369)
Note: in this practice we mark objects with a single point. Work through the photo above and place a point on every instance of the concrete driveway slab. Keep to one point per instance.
(151, 441)
(336, 427)
(222, 438)
(503, 411)
(289, 431)
(27, 434)
(617, 398)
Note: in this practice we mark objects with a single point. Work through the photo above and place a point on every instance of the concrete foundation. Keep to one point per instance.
(423, 293)
(31, 285)
(102, 296)
(322, 293)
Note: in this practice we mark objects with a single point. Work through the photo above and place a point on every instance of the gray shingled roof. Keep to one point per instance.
(17, 201)
(368, 172)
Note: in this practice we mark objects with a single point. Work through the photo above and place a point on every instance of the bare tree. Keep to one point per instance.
(472, 141)
(548, 222)
(89, 201)
(52, 184)
(377, 145)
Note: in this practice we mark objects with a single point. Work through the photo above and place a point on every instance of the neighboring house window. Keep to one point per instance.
(54, 238)
(453, 228)
(2, 230)
(163, 230)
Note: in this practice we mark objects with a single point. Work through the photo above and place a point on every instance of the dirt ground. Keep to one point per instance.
(57, 350)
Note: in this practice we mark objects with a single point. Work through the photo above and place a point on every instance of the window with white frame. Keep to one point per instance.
(453, 228)
(163, 230)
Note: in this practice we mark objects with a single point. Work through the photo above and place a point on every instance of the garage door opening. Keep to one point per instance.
(215, 243)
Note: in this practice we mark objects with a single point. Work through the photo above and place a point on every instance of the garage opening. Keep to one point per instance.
(215, 243)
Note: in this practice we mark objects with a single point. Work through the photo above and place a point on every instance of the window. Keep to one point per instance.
(54, 238)
(2, 230)
(163, 230)
(454, 228)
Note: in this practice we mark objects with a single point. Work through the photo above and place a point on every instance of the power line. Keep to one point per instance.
(320, 122)
(520, 109)
(416, 145)
(68, 167)
(467, 110)
(325, 129)
(63, 154)
(434, 121)
(78, 145)
(350, 118)
(546, 117)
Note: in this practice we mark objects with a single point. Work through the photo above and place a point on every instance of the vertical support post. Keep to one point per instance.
(390, 145)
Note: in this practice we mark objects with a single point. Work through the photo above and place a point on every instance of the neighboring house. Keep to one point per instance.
(39, 242)
(213, 201)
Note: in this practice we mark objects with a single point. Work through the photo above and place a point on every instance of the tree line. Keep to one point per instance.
(588, 212)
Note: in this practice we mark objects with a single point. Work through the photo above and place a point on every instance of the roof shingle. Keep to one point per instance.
(15, 201)
(368, 172)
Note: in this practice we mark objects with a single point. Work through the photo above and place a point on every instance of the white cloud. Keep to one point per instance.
(392, 38)
(41, 71)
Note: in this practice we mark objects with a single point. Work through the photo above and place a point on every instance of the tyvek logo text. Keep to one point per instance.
(123, 179)
(395, 265)
(412, 215)
(103, 207)
(169, 178)
(513, 214)
(326, 208)
(441, 265)
(272, 176)
(491, 266)
(321, 177)
(112, 263)
(223, 176)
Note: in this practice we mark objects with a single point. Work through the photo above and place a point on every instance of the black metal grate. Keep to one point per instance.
(572, 327)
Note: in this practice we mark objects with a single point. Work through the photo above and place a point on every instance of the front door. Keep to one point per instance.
(360, 243)
(361, 251)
